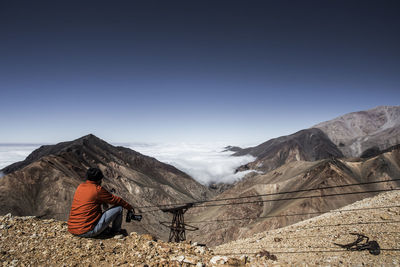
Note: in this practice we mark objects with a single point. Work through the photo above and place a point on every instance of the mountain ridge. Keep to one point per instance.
(294, 176)
(307, 145)
(44, 184)
(356, 132)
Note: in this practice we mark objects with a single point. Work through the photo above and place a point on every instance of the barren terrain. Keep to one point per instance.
(312, 241)
(29, 241)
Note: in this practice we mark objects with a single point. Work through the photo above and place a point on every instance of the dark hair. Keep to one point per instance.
(94, 174)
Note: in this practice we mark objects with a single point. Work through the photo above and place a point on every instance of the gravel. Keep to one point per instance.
(29, 241)
(311, 242)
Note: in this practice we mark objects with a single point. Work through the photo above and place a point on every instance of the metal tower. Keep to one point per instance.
(178, 225)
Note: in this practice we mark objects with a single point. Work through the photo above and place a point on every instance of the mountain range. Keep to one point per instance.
(306, 145)
(44, 183)
(355, 148)
(356, 132)
(220, 224)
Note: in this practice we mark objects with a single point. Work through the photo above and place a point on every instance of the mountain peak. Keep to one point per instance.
(48, 177)
(90, 137)
(46, 150)
(86, 140)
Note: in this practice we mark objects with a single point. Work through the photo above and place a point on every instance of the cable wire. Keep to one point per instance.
(295, 214)
(283, 199)
(301, 252)
(285, 215)
(263, 195)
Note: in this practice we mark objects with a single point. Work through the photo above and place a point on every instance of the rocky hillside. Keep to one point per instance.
(305, 145)
(29, 241)
(356, 132)
(44, 184)
(239, 221)
(311, 242)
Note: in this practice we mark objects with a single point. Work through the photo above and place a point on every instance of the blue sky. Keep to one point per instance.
(239, 72)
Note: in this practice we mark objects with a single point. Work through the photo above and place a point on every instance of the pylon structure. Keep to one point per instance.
(178, 225)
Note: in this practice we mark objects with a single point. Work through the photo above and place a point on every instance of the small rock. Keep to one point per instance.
(200, 250)
(89, 245)
(267, 255)
(385, 217)
(149, 237)
(243, 259)
(218, 260)
(178, 258)
(190, 260)
(25, 218)
(119, 237)
(234, 262)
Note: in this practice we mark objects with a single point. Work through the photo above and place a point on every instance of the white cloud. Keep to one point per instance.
(12, 153)
(204, 162)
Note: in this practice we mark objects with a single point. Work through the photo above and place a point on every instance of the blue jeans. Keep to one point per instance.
(113, 215)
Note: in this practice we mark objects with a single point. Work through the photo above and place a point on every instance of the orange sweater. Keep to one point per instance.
(86, 206)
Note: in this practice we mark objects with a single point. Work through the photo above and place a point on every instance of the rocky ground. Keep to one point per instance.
(311, 242)
(29, 241)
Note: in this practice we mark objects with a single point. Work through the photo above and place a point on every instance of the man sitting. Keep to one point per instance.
(86, 218)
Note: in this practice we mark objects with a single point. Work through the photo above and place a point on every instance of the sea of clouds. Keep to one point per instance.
(207, 163)
(12, 153)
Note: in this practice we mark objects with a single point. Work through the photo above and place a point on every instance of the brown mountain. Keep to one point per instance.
(45, 182)
(305, 145)
(356, 132)
(239, 221)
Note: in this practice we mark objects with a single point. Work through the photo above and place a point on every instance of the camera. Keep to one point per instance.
(131, 216)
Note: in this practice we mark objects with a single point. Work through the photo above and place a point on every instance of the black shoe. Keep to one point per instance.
(107, 233)
(120, 232)
(123, 232)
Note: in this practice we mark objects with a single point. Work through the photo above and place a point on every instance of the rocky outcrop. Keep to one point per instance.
(44, 184)
(375, 151)
(356, 132)
(305, 145)
(232, 149)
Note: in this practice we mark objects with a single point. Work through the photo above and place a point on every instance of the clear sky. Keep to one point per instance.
(240, 72)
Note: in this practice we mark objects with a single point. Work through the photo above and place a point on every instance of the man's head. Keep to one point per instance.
(94, 174)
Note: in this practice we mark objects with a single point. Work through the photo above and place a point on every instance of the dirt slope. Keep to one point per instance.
(311, 241)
